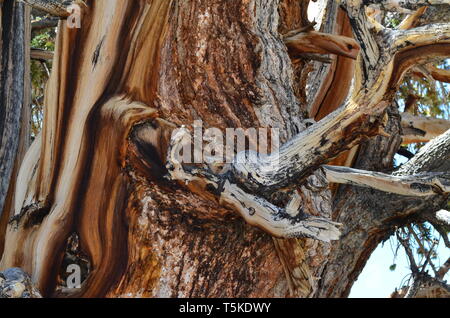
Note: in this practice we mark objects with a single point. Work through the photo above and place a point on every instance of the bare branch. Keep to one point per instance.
(436, 14)
(427, 286)
(276, 221)
(440, 220)
(279, 222)
(412, 20)
(321, 43)
(424, 251)
(386, 57)
(443, 270)
(51, 7)
(422, 36)
(41, 55)
(44, 24)
(432, 157)
(422, 129)
(419, 185)
(409, 254)
(403, 6)
(424, 286)
(440, 75)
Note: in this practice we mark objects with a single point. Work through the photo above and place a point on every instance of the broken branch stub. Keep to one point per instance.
(320, 43)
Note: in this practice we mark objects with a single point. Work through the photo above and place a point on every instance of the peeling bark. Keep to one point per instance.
(102, 172)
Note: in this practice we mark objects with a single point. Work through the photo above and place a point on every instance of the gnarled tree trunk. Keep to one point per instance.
(101, 189)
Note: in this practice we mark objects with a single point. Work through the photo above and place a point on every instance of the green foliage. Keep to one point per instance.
(432, 97)
(44, 40)
(40, 72)
(431, 100)
(392, 19)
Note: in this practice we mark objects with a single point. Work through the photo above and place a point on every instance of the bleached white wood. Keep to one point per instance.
(416, 185)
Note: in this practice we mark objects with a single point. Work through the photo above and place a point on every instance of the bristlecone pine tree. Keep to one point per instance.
(101, 186)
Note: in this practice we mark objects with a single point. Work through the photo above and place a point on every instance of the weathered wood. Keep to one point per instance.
(44, 24)
(433, 72)
(37, 54)
(401, 5)
(412, 20)
(47, 200)
(440, 74)
(420, 185)
(285, 222)
(98, 170)
(53, 7)
(370, 216)
(422, 129)
(321, 43)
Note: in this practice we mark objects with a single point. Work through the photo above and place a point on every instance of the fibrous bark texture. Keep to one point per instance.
(14, 99)
(100, 187)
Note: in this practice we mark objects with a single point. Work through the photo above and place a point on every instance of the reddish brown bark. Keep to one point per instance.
(135, 71)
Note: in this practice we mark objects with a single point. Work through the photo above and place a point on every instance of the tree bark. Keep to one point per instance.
(99, 187)
(15, 88)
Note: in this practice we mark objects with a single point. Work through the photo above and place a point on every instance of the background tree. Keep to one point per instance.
(101, 187)
(14, 98)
